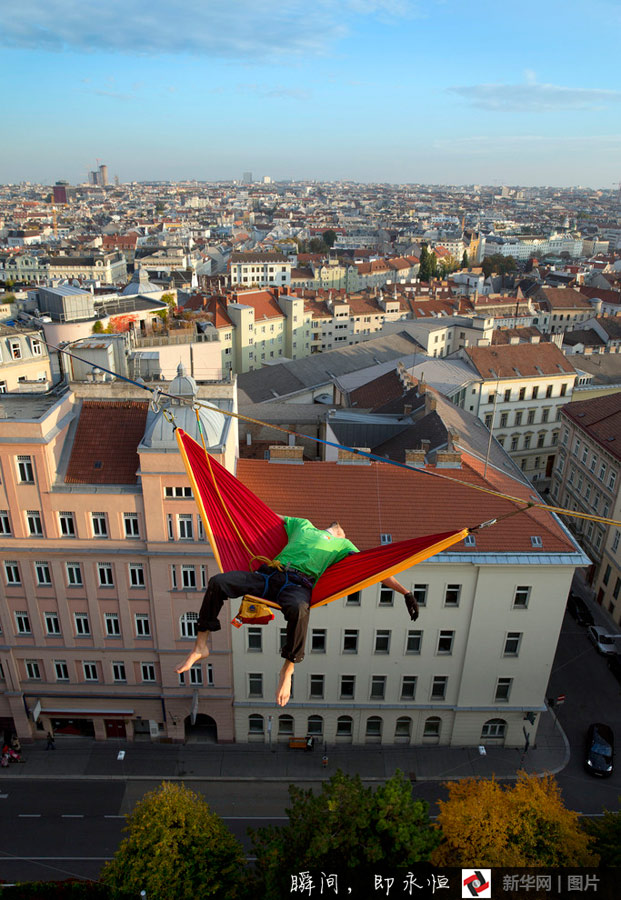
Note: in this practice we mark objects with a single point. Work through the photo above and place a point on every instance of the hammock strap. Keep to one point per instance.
(251, 556)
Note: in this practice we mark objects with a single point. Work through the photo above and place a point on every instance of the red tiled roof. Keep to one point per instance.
(263, 303)
(502, 360)
(564, 298)
(105, 445)
(383, 499)
(606, 296)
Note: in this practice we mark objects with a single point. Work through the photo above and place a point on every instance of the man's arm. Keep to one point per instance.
(410, 600)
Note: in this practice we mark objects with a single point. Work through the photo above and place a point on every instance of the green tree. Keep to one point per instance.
(522, 824)
(465, 261)
(499, 264)
(330, 238)
(449, 264)
(424, 271)
(317, 245)
(345, 826)
(606, 834)
(177, 849)
(98, 327)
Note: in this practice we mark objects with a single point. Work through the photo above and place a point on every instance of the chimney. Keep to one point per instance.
(430, 403)
(349, 458)
(446, 459)
(415, 459)
(407, 409)
(281, 454)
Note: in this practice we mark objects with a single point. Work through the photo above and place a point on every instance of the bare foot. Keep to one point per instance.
(283, 692)
(200, 651)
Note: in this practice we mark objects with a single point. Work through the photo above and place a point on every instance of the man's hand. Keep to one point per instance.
(412, 605)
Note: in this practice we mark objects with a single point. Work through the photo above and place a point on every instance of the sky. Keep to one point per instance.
(400, 91)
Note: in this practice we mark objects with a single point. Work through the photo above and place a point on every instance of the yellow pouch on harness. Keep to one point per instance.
(252, 612)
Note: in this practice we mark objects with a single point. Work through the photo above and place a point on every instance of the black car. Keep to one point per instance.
(614, 664)
(600, 749)
(579, 610)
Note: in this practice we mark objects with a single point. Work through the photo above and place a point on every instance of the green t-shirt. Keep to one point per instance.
(311, 550)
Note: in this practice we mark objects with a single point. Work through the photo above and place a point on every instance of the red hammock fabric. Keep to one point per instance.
(233, 517)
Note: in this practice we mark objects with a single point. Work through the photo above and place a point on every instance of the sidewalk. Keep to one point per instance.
(80, 758)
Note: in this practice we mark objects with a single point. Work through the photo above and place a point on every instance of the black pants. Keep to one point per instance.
(279, 587)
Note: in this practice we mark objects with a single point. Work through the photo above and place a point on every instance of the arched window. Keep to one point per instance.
(315, 726)
(188, 624)
(344, 728)
(403, 729)
(431, 731)
(255, 726)
(494, 729)
(285, 725)
(374, 729)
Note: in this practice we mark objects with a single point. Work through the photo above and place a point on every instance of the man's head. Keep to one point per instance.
(336, 530)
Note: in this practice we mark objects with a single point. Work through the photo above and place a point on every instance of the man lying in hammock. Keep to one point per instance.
(308, 553)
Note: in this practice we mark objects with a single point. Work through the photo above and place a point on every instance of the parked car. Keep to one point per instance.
(614, 664)
(578, 609)
(600, 749)
(604, 642)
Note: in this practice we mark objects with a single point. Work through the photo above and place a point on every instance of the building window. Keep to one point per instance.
(314, 726)
(82, 625)
(188, 578)
(408, 687)
(494, 728)
(118, 671)
(514, 441)
(316, 687)
(105, 574)
(32, 670)
(348, 687)
(382, 641)
(508, 395)
(414, 641)
(22, 622)
(255, 724)
(386, 597)
(113, 626)
(541, 439)
(353, 599)
(527, 440)
(143, 625)
(74, 574)
(535, 393)
(188, 625)
(606, 577)
(5, 523)
(488, 420)
(318, 640)
(563, 390)
(254, 640)
(438, 687)
(432, 727)
(378, 687)
(185, 527)
(67, 524)
(52, 623)
(90, 671)
(196, 674)
(445, 642)
(503, 690)
(61, 670)
(25, 470)
(130, 521)
(512, 643)
(420, 594)
(136, 575)
(612, 478)
(255, 684)
(11, 573)
(99, 524)
(385, 538)
(285, 725)
(350, 641)
(452, 595)
(374, 727)
(521, 597)
(16, 350)
(173, 577)
(147, 671)
(530, 417)
(522, 393)
(504, 419)
(34, 523)
(344, 726)
(403, 728)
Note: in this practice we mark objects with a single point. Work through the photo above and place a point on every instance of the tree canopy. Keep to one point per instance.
(522, 824)
(176, 849)
(606, 833)
(329, 238)
(499, 264)
(345, 826)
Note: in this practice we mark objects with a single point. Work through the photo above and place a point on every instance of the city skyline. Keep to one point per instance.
(376, 91)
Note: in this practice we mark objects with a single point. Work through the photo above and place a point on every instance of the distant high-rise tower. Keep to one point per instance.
(247, 178)
(103, 175)
(92, 177)
(60, 193)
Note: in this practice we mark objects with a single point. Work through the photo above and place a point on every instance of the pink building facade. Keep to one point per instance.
(103, 564)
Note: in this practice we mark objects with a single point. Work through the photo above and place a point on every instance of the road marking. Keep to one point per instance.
(246, 818)
(29, 816)
(71, 816)
(73, 858)
(114, 817)
(3, 796)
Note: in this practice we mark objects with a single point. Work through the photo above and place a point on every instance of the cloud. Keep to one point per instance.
(246, 29)
(534, 97)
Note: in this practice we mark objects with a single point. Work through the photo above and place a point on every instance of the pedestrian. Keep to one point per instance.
(289, 582)
(50, 742)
